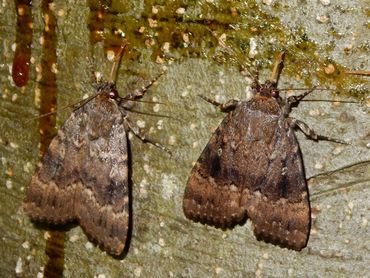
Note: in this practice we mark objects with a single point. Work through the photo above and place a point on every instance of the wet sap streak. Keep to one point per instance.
(55, 251)
(98, 12)
(102, 26)
(55, 243)
(48, 77)
(22, 56)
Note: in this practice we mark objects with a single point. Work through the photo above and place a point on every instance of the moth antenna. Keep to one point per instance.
(147, 101)
(305, 89)
(43, 115)
(116, 62)
(278, 67)
(358, 72)
(329, 173)
(228, 48)
(154, 115)
(82, 102)
(326, 100)
(75, 106)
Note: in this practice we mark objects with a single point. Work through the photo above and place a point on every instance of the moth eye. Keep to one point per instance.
(275, 94)
(112, 94)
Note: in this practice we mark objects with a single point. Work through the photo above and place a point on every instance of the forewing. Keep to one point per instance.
(50, 195)
(103, 196)
(84, 176)
(208, 199)
(232, 161)
(280, 211)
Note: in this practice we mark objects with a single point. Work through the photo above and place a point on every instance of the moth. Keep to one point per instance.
(84, 175)
(252, 168)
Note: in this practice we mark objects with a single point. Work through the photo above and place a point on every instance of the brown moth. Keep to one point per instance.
(84, 174)
(252, 168)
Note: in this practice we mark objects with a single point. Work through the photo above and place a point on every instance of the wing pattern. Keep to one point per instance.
(252, 168)
(84, 176)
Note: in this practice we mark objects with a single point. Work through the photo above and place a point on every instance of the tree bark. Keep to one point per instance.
(164, 243)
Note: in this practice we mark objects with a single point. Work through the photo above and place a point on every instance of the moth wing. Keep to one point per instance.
(210, 197)
(50, 196)
(102, 202)
(280, 210)
(84, 176)
(251, 167)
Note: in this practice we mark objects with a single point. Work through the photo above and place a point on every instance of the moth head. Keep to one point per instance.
(108, 90)
(268, 89)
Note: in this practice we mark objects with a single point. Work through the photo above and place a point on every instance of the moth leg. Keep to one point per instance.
(224, 107)
(295, 99)
(139, 93)
(140, 134)
(310, 133)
